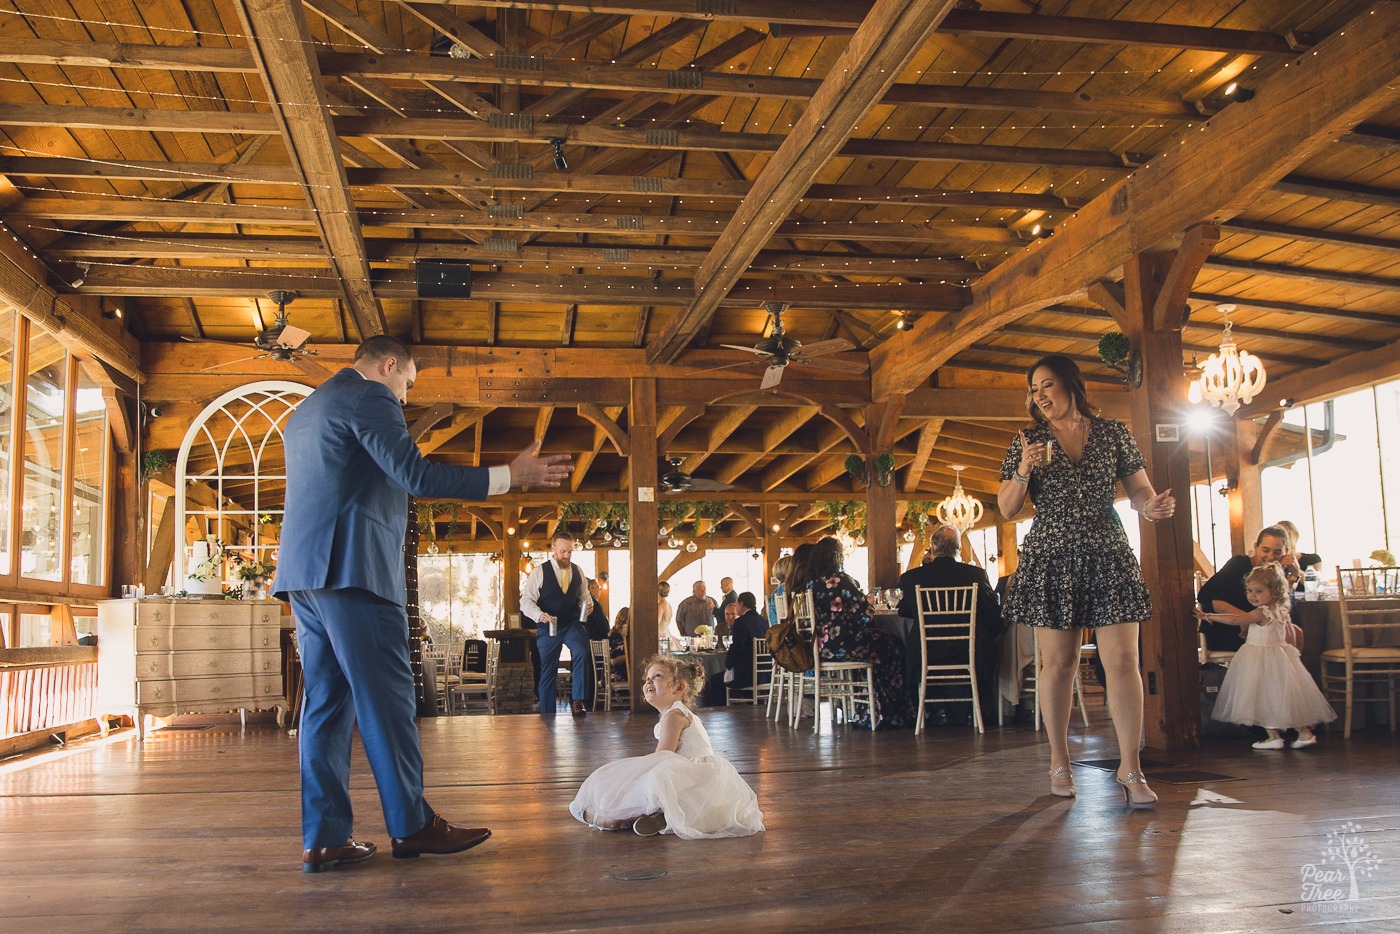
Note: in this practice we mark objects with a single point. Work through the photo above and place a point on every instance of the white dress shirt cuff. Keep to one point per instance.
(499, 481)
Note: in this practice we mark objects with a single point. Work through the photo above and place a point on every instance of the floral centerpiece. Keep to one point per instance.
(705, 636)
(256, 573)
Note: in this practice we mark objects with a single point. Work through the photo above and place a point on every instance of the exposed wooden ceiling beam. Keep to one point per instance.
(518, 287)
(1232, 160)
(1306, 273)
(1338, 191)
(44, 167)
(875, 57)
(282, 50)
(145, 245)
(851, 13)
(615, 76)
(454, 128)
(1334, 238)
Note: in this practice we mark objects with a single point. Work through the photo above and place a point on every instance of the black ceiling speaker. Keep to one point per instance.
(443, 278)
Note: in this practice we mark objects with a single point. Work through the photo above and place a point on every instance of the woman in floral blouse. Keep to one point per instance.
(844, 633)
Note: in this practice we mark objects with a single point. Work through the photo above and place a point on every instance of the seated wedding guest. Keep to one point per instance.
(617, 644)
(800, 577)
(695, 610)
(777, 599)
(731, 613)
(1303, 559)
(945, 570)
(738, 660)
(844, 633)
(596, 623)
(1224, 592)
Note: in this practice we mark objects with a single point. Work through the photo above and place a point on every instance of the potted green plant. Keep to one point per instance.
(884, 468)
(857, 468)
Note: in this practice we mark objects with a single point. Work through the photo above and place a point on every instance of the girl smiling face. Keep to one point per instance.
(660, 689)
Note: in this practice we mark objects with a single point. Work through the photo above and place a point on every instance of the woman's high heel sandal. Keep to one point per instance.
(1136, 794)
(1062, 782)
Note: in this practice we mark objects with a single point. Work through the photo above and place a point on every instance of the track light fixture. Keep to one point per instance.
(560, 162)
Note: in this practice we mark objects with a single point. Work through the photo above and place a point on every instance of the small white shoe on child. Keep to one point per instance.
(1303, 742)
(1276, 743)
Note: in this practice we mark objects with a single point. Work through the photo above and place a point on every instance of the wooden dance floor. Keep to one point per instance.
(197, 830)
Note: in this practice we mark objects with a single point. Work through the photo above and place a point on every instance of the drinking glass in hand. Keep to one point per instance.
(1047, 454)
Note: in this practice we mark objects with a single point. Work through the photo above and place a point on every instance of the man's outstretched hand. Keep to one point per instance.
(529, 469)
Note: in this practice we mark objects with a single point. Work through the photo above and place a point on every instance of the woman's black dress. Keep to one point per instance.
(1077, 569)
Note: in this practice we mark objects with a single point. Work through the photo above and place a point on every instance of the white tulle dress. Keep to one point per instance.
(1266, 684)
(700, 793)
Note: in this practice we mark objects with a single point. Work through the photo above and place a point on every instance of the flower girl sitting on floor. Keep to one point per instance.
(682, 788)
(1266, 684)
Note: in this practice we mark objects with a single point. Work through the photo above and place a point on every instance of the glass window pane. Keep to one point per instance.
(45, 408)
(35, 629)
(89, 475)
(7, 396)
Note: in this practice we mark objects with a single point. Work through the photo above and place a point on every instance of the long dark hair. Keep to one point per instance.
(827, 558)
(1066, 372)
(801, 574)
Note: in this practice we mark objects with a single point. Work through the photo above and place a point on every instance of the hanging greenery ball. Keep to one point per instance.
(1113, 348)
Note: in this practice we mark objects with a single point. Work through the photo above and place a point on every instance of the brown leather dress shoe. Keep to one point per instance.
(440, 837)
(580, 709)
(328, 857)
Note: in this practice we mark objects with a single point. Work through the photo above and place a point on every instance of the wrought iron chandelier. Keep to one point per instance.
(1230, 378)
(958, 510)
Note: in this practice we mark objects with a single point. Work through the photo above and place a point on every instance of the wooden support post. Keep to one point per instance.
(1169, 666)
(643, 632)
(510, 564)
(880, 540)
(1006, 547)
(1246, 493)
(772, 541)
(128, 530)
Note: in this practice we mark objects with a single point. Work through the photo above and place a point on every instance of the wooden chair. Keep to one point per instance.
(1029, 686)
(1208, 656)
(842, 688)
(446, 661)
(1370, 605)
(620, 692)
(602, 672)
(947, 617)
(762, 668)
(472, 679)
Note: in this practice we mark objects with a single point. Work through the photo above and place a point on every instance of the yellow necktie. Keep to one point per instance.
(564, 579)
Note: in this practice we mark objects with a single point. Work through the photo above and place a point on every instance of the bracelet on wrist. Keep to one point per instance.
(1016, 475)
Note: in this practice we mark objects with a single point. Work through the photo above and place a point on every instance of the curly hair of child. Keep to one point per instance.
(1271, 577)
(689, 675)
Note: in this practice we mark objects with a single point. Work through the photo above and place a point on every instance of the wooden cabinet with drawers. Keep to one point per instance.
(168, 656)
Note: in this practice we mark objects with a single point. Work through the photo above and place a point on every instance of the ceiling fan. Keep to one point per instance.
(283, 341)
(779, 350)
(676, 480)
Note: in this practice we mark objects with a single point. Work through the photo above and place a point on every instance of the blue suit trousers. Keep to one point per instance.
(354, 654)
(581, 662)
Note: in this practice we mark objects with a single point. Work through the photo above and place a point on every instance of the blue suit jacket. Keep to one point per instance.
(350, 467)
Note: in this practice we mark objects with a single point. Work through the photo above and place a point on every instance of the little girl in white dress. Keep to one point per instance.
(1266, 684)
(683, 788)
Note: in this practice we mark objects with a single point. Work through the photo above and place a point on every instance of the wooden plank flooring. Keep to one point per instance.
(197, 830)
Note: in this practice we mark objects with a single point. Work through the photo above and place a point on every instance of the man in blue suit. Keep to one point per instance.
(351, 465)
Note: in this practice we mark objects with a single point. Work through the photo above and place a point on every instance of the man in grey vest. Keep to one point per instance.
(555, 601)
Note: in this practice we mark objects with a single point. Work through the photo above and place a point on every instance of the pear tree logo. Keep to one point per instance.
(1346, 859)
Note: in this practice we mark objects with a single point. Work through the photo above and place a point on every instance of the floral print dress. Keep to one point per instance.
(1077, 569)
(844, 633)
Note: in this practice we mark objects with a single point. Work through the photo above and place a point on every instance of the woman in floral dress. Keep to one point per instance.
(1077, 570)
(844, 633)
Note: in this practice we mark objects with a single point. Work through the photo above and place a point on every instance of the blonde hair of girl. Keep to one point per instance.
(689, 675)
(1270, 576)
